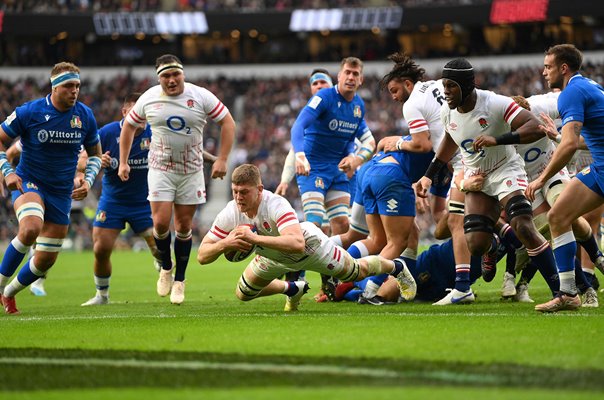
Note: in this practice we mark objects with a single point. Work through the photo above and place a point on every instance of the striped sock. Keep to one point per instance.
(291, 289)
(358, 250)
(462, 277)
(102, 284)
(543, 258)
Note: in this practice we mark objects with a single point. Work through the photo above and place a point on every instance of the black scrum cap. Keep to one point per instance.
(461, 72)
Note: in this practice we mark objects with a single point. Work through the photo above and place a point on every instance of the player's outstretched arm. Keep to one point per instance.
(210, 249)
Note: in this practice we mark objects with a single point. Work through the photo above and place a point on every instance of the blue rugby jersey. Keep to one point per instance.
(134, 190)
(335, 123)
(51, 141)
(583, 100)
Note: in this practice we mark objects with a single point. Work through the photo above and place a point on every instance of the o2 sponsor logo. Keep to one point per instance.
(532, 154)
(178, 124)
(468, 148)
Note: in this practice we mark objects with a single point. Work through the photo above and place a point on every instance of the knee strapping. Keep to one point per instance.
(518, 205)
(352, 274)
(456, 207)
(248, 290)
(358, 220)
(50, 245)
(478, 223)
(31, 209)
(314, 211)
(338, 210)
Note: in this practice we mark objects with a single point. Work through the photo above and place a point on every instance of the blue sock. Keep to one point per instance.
(592, 278)
(398, 267)
(163, 248)
(508, 235)
(353, 295)
(591, 248)
(528, 273)
(379, 279)
(580, 279)
(510, 261)
(14, 254)
(358, 249)
(565, 249)
(354, 251)
(292, 289)
(462, 277)
(543, 258)
(182, 253)
(26, 276)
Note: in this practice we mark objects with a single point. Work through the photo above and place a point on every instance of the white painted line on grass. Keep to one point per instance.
(309, 369)
(203, 365)
(290, 315)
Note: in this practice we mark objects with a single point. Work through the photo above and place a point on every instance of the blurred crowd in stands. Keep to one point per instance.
(62, 6)
(265, 110)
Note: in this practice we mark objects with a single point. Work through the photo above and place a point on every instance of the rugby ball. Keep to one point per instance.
(240, 255)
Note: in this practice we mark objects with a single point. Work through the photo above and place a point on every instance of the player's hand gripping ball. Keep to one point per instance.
(240, 255)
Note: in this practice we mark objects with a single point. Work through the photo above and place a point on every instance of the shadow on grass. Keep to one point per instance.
(62, 369)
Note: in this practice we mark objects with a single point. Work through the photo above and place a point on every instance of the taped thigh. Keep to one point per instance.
(313, 206)
(337, 210)
(352, 270)
(358, 220)
(332, 195)
(50, 245)
(247, 289)
(456, 207)
(30, 209)
(553, 192)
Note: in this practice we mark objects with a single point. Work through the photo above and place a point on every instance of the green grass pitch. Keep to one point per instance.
(214, 346)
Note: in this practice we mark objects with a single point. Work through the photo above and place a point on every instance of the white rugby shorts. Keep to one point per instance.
(183, 189)
(326, 258)
(505, 180)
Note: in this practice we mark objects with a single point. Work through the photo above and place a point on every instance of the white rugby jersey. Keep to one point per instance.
(177, 124)
(537, 155)
(274, 214)
(422, 110)
(492, 115)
